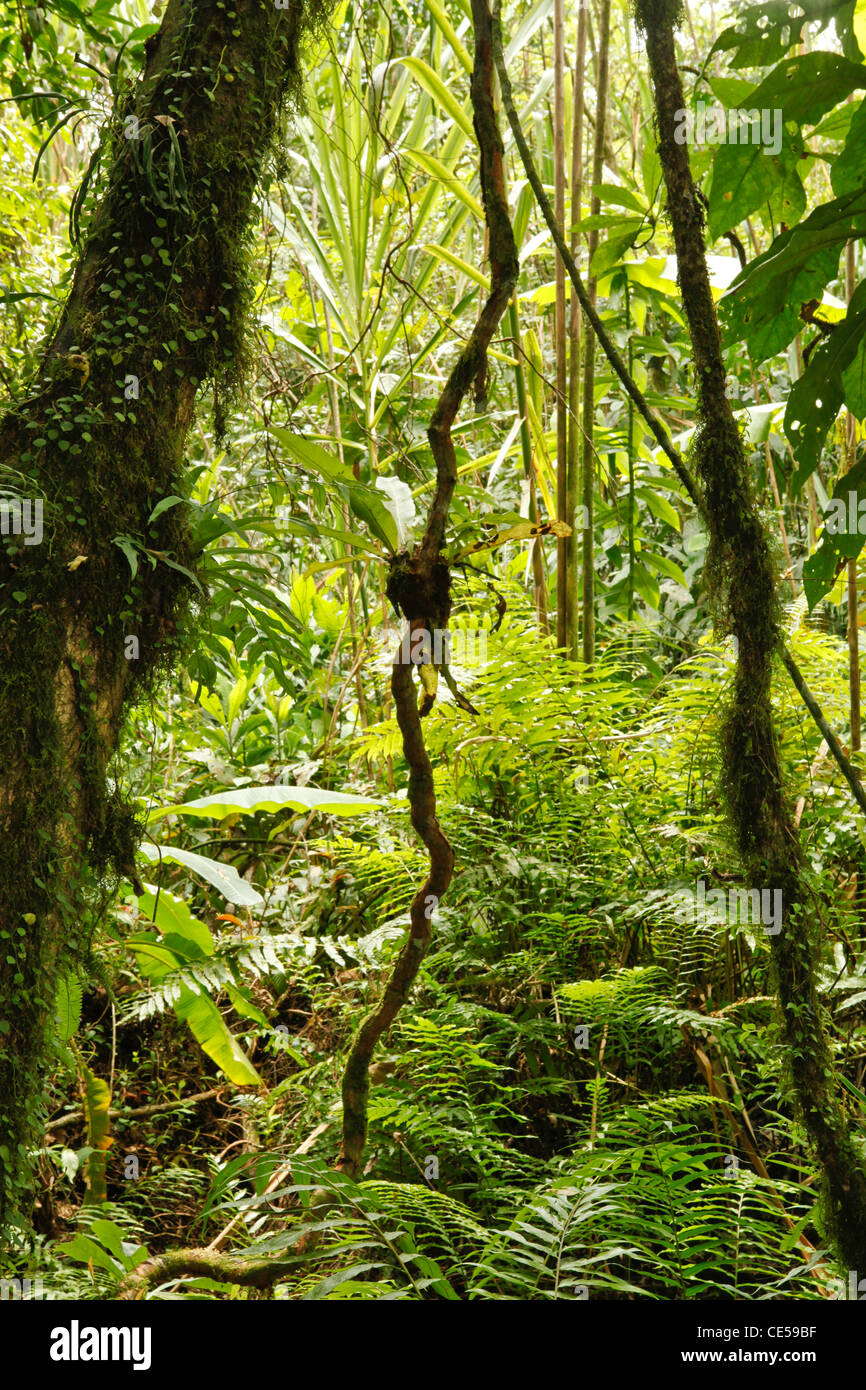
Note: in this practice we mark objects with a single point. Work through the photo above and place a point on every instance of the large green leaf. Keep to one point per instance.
(246, 800)
(806, 87)
(763, 33)
(441, 94)
(842, 538)
(87, 1251)
(158, 960)
(854, 383)
(214, 1038)
(175, 922)
(363, 501)
(762, 307)
(747, 178)
(816, 398)
(97, 1102)
(222, 876)
(848, 170)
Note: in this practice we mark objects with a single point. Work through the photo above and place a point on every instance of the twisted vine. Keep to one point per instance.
(420, 587)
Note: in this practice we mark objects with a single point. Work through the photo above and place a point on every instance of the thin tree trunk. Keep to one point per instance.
(814, 519)
(853, 600)
(539, 581)
(560, 348)
(572, 570)
(588, 411)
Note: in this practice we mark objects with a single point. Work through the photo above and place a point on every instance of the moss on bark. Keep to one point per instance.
(743, 584)
(158, 307)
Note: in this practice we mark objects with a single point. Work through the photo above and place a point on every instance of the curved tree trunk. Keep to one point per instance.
(157, 308)
(419, 586)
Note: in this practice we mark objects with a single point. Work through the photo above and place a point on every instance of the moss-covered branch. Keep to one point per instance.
(193, 1263)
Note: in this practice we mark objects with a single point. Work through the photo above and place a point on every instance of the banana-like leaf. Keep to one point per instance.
(157, 959)
(97, 1100)
(173, 919)
(246, 800)
(221, 876)
(209, 1030)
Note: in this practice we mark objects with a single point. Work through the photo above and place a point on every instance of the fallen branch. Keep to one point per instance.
(137, 1113)
(207, 1263)
(201, 1264)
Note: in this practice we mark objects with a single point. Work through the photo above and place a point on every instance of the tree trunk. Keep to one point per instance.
(588, 411)
(741, 578)
(574, 420)
(157, 308)
(560, 325)
(850, 428)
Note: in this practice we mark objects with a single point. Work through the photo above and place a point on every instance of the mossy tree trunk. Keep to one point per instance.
(742, 578)
(157, 308)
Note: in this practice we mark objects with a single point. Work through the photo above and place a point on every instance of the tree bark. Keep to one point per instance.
(572, 588)
(560, 326)
(850, 450)
(157, 308)
(742, 579)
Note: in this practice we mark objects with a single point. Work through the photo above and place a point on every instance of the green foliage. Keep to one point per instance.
(507, 1160)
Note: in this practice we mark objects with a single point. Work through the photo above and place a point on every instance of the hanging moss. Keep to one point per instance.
(742, 582)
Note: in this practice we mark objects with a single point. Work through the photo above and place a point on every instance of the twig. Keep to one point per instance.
(849, 771)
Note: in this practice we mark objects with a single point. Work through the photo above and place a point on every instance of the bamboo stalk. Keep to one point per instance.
(560, 346)
(588, 413)
(572, 590)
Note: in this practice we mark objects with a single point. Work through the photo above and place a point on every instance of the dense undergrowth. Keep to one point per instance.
(587, 1093)
(572, 1104)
